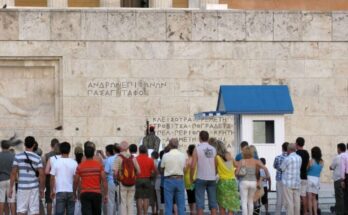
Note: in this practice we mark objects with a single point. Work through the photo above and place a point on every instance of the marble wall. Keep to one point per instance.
(101, 73)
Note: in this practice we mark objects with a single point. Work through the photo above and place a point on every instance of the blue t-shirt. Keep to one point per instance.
(239, 156)
(108, 168)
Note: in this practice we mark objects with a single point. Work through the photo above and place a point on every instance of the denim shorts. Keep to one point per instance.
(200, 187)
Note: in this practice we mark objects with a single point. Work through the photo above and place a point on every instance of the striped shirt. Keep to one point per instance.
(277, 163)
(90, 172)
(26, 178)
(291, 167)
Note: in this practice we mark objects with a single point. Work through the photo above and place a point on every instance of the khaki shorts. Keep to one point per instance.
(28, 201)
(303, 190)
(5, 191)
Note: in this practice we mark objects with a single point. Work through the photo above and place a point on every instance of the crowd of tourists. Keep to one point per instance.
(159, 181)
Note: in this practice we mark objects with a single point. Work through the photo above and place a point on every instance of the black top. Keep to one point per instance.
(305, 159)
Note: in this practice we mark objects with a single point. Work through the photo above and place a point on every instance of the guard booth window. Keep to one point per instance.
(263, 131)
(134, 3)
(31, 3)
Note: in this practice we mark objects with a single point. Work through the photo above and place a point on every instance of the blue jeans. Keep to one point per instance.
(174, 188)
(200, 187)
(65, 202)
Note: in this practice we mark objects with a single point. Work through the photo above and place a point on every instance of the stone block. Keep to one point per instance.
(339, 50)
(85, 106)
(116, 68)
(151, 26)
(340, 68)
(204, 26)
(259, 26)
(191, 88)
(290, 68)
(333, 87)
(317, 27)
(174, 106)
(287, 26)
(121, 26)
(101, 126)
(115, 107)
(75, 126)
(190, 50)
(159, 68)
(318, 68)
(231, 26)
(146, 106)
(261, 69)
(75, 87)
(304, 50)
(34, 25)
(66, 25)
(179, 26)
(130, 128)
(303, 87)
(94, 26)
(339, 26)
(9, 26)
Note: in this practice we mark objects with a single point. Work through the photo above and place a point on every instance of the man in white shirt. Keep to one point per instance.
(344, 178)
(62, 178)
(203, 158)
(173, 164)
(336, 167)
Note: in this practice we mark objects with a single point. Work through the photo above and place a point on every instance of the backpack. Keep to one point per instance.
(126, 173)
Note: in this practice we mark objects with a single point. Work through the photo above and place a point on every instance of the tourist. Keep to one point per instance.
(162, 181)
(155, 202)
(344, 178)
(247, 173)
(90, 175)
(336, 167)
(291, 179)
(143, 187)
(239, 156)
(6, 161)
(300, 141)
(29, 168)
(78, 152)
(279, 185)
(227, 189)
(133, 150)
(151, 140)
(266, 185)
(190, 188)
(313, 174)
(126, 162)
(173, 164)
(62, 180)
(203, 159)
(112, 189)
(54, 152)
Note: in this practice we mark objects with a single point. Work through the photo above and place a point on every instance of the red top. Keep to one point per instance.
(146, 164)
(90, 172)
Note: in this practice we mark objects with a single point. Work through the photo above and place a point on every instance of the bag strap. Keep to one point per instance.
(30, 162)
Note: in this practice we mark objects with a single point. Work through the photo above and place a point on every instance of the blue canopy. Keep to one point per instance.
(252, 99)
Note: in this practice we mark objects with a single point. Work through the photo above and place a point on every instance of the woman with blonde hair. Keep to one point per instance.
(227, 189)
(247, 171)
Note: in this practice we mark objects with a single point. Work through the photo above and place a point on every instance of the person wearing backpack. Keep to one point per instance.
(125, 169)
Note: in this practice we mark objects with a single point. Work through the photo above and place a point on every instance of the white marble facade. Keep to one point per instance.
(101, 73)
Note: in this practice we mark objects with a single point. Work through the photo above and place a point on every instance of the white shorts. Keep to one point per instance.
(313, 185)
(28, 201)
(5, 191)
(303, 190)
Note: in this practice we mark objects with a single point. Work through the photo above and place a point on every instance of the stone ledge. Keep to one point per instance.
(126, 24)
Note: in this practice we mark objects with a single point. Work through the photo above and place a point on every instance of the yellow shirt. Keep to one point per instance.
(225, 171)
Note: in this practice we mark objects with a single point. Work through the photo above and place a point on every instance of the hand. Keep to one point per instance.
(105, 199)
(74, 197)
(10, 194)
(42, 194)
(53, 195)
(343, 184)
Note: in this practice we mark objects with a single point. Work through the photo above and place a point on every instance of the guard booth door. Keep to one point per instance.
(267, 133)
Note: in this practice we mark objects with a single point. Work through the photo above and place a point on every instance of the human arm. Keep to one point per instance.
(76, 184)
(13, 175)
(42, 181)
(48, 167)
(105, 185)
(53, 187)
(334, 163)
(136, 166)
(284, 164)
(193, 164)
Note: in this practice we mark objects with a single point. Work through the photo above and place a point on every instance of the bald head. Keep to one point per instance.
(174, 143)
(124, 146)
(291, 148)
